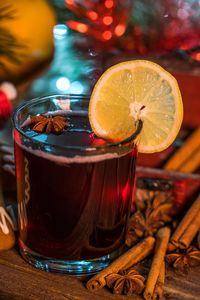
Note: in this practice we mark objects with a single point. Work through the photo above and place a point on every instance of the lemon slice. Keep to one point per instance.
(132, 91)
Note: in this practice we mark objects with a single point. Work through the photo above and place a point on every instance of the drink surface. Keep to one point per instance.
(72, 210)
(78, 134)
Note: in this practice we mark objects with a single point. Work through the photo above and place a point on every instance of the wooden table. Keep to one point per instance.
(19, 281)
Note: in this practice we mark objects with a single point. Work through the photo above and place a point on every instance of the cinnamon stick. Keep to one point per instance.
(170, 248)
(162, 239)
(189, 234)
(187, 219)
(185, 152)
(126, 260)
(159, 288)
(192, 163)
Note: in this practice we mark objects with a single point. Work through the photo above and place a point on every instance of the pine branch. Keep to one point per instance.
(8, 42)
(7, 13)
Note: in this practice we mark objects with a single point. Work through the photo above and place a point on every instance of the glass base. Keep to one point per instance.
(82, 268)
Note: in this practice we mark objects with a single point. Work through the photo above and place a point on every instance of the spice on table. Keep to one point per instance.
(162, 239)
(189, 234)
(144, 224)
(188, 227)
(171, 248)
(182, 260)
(183, 159)
(54, 124)
(152, 192)
(192, 163)
(154, 212)
(125, 261)
(126, 282)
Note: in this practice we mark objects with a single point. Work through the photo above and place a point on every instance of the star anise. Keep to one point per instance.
(54, 124)
(161, 210)
(143, 224)
(143, 199)
(152, 199)
(183, 260)
(126, 282)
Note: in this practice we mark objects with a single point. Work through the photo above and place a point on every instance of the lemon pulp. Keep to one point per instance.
(137, 90)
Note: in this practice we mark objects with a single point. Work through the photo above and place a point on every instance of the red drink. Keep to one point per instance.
(74, 195)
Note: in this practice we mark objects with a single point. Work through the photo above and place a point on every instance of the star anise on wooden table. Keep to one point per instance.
(182, 260)
(153, 199)
(48, 124)
(146, 223)
(126, 282)
(142, 225)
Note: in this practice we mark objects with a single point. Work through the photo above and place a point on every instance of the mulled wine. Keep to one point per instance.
(74, 191)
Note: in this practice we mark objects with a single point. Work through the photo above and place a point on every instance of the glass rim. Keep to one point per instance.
(85, 99)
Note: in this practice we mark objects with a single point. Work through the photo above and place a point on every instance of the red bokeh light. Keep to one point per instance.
(92, 15)
(107, 35)
(120, 29)
(107, 20)
(69, 1)
(5, 106)
(109, 3)
(81, 27)
(196, 56)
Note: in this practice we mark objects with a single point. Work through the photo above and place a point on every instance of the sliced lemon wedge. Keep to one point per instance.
(137, 90)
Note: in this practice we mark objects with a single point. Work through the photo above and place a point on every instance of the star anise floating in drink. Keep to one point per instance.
(48, 124)
(183, 260)
(126, 282)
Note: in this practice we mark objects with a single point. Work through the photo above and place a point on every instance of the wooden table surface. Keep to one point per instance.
(19, 281)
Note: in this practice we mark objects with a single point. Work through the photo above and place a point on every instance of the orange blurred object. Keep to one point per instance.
(30, 24)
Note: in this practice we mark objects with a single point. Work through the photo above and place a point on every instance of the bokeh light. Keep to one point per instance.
(107, 20)
(60, 31)
(76, 87)
(120, 29)
(109, 3)
(107, 35)
(63, 84)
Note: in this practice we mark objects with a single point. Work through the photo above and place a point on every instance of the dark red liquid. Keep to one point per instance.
(76, 210)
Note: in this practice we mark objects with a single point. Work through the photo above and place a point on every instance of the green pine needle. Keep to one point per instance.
(8, 43)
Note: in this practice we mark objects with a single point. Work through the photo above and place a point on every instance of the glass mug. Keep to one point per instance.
(74, 190)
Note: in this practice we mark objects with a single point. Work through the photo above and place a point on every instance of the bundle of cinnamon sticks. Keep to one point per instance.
(158, 246)
(155, 280)
(187, 158)
(187, 228)
(130, 258)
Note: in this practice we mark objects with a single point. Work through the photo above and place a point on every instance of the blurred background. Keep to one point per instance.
(63, 46)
